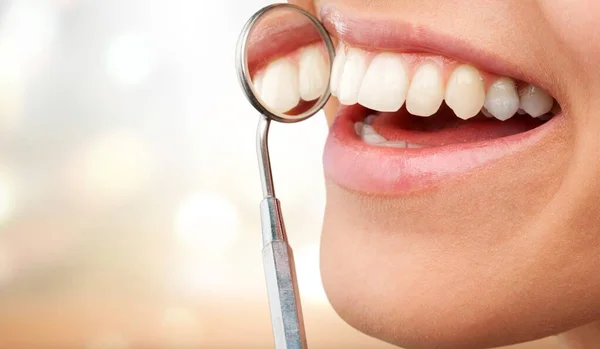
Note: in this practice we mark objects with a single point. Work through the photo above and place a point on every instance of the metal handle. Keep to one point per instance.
(280, 273)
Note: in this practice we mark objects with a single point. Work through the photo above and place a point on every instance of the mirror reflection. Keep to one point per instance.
(288, 62)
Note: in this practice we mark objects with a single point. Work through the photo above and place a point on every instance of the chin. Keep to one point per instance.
(418, 274)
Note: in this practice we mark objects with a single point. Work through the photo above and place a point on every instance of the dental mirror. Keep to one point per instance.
(284, 60)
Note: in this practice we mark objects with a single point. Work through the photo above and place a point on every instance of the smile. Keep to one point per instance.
(420, 109)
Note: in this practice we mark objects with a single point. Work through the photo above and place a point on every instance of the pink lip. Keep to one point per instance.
(361, 167)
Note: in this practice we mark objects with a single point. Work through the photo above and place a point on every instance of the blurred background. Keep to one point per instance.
(129, 188)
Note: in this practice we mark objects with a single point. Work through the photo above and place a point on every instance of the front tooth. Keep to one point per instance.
(465, 92)
(535, 101)
(502, 99)
(280, 86)
(313, 73)
(385, 83)
(337, 69)
(426, 92)
(355, 68)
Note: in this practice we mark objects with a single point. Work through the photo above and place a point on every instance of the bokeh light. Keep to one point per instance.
(206, 227)
(29, 28)
(11, 89)
(207, 223)
(27, 31)
(181, 329)
(131, 58)
(309, 275)
(108, 341)
(7, 266)
(7, 196)
(109, 168)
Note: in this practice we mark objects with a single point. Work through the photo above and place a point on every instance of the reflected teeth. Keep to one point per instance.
(385, 81)
(257, 81)
(301, 75)
(368, 134)
(279, 87)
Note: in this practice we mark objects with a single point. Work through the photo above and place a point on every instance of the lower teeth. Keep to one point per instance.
(368, 134)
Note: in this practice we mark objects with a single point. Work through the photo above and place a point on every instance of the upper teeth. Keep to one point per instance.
(502, 99)
(385, 83)
(350, 80)
(465, 92)
(535, 102)
(426, 92)
(382, 82)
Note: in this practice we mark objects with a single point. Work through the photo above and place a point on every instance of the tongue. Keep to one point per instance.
(445, 128)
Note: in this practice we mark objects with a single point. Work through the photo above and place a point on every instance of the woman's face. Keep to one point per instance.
(485, 233)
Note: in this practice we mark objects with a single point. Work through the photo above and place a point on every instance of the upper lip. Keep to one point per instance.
(401, 35)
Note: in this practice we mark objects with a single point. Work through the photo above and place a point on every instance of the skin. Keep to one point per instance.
(510, 252)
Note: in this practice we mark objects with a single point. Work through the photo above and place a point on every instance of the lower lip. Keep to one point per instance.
(357, 166)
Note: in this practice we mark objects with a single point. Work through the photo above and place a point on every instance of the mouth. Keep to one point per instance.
(419, 109)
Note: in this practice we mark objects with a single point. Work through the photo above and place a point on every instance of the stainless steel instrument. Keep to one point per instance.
(268, 27)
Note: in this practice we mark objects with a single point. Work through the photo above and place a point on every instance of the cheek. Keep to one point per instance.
(575, 23)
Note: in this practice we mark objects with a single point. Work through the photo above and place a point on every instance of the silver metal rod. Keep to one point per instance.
(282, 286)
(264, 161)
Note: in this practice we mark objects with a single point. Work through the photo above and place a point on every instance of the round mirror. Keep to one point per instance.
(284, 63)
